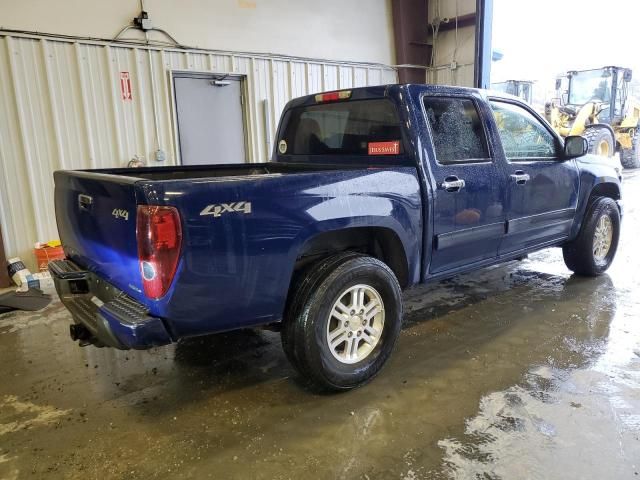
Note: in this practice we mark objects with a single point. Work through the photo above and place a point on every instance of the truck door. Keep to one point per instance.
(542, 191)
(468, 186)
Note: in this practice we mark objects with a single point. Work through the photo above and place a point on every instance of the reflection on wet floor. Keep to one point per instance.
(518, 371)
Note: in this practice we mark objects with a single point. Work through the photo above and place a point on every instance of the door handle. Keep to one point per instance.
(452, 184)
(520, 177)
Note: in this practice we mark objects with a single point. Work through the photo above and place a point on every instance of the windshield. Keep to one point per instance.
(362, 127)
(589, 86)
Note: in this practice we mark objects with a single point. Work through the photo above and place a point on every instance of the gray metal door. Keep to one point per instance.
(210, 120)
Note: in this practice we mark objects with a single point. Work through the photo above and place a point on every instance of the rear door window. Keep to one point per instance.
(358, 127)
(457, 131)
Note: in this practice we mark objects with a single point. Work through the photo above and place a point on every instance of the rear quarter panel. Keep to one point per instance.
(236, 269)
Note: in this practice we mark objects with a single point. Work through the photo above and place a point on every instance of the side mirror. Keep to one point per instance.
(558, 83)
(628, 74)
(575, 146)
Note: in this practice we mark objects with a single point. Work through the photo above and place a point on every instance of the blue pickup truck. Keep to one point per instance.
(369, 191)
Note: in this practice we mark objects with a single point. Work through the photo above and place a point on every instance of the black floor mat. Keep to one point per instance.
(29, 301)
(4, 309)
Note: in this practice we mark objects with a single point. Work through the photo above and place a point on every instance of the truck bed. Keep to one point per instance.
(218, 171)
(230, 216)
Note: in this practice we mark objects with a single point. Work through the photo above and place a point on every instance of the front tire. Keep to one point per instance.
(600, 141)
(593, 250)
(343, 321)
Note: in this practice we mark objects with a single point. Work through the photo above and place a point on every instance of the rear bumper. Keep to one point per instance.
(107, 316)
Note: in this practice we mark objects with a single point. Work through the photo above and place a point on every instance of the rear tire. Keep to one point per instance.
(342, 321)
(593, 250)
(630, 158)
(600, 141)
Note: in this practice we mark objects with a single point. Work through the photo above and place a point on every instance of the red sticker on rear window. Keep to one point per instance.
(384, 148)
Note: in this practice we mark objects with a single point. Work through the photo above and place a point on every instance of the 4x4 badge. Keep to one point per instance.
(218, 209)
(120, 213)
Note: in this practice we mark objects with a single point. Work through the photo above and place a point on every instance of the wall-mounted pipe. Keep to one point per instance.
(143, 22)
(466, 20)
(159, 153)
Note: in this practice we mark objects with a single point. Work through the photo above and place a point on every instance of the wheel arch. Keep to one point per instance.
(379, 242)
(606, 188)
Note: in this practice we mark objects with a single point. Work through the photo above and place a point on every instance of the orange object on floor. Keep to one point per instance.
(46, 254)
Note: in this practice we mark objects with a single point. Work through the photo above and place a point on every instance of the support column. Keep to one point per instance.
(410, 32)
(482, 67)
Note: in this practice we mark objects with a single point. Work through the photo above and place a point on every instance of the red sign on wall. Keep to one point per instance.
(384, 148)
(125, 85)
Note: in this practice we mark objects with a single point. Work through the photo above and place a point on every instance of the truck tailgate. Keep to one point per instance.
(96, 216)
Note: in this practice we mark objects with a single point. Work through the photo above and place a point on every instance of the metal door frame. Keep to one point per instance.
(212, 75)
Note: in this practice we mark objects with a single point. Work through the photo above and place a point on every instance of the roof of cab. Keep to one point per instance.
(359, 93)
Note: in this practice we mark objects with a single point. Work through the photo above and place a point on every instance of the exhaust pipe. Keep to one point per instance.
(80, 333)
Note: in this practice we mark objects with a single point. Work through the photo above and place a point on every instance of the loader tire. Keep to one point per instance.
(630, 158)
(600, 141)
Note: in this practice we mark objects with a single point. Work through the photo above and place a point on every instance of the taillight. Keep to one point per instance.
(333, 96)
(159, 240)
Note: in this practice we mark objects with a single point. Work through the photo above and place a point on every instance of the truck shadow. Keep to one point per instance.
(239, 383)
(246, 356)
(241, 359)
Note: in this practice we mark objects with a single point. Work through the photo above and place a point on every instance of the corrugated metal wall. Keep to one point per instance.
(61, 107)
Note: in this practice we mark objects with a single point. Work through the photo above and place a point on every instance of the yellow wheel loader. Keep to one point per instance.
(596, 105)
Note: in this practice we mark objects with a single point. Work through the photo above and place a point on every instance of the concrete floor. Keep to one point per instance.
(519, 371)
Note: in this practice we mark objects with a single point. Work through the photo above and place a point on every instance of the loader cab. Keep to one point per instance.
(607, 87)
(518, 88)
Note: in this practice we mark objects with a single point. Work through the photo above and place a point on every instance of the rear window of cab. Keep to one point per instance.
(357, 127)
